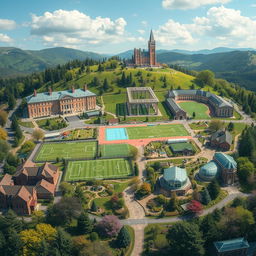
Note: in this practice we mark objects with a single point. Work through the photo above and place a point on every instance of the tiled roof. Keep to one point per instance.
(44, 186)
(231, 245)
(6, 180)
(46, 96)
(24, 192)
(226, 161)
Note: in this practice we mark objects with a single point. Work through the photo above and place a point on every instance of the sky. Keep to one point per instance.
(114, 26)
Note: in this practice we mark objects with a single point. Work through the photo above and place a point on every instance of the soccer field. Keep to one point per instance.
(156, 131)
(67, 150)
(115, 150)
(201, 110)
(98, 169)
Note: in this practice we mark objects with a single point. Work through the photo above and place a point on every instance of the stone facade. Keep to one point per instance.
(219, 107)
(61, 103)
(146, 58)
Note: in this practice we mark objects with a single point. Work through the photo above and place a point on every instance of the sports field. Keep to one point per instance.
(156, 131)
(98, 169)
(115, 150)
(201, 110)
(67, 150)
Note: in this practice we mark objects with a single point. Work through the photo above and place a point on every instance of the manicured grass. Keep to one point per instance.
(52, 123)
(201, 110)
(115, 150)
(177, 147)
(157, 131)
(98, 169)
(198, 126)
(26, 124)
(67, 150)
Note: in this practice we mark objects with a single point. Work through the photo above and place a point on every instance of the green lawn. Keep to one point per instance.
(115, 150)
(157, 131)
(67, 150)
(98, 169)
(201, 110)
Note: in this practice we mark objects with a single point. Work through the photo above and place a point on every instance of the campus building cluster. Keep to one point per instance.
(223, 166)
(218, 106)
(21, 191)
(68, 102)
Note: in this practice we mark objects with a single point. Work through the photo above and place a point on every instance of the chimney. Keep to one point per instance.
(50, 91)
(73, 89)
(85, 87)
(35, 93)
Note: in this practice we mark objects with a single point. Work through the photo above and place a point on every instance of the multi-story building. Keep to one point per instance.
(218, 106)
(75, 101)
(146, 58)
(30, 182)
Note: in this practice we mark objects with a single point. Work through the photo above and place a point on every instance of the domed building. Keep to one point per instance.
(209, 171)
(176, 180)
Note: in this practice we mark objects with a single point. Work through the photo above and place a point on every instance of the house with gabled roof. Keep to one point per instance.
(221, 139)
(30, 182)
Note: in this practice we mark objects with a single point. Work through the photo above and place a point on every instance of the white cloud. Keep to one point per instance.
(173, 33)
(253, 5)
(7, 24)
(5, 39)
(141, 31)
(227, 26)
(144, 23)
(190, 4)
(63, 27)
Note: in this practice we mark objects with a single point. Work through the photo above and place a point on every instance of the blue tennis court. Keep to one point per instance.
(116, 134)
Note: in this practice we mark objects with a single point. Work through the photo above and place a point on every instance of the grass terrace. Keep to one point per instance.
(98, 169)
(80, 134)
(51, 124)
(156, 131)
(67, 150)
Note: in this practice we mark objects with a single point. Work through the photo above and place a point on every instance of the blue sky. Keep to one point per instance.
(112, 26)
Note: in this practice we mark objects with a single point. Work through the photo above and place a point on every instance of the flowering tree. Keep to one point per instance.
(109, 226)
(195, 207)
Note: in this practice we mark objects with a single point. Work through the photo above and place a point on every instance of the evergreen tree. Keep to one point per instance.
(206, 198)
(123, 79)
(105, 85)
(62, 245)
(11, 101)
(185, 239)
(94, 207)
(214, 189)
(209, 229)
(13, 243)
(84, 224)
(123, 238)
(172, 204)
(231, 126)
(14, 124)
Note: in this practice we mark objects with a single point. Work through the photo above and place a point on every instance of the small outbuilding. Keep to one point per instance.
(176, 180)
(221, 139)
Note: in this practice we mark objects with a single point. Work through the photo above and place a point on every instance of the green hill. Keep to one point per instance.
(15, 62)
(237, 66)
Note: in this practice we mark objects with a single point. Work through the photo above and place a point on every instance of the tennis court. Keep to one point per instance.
(115, 150)
(116, 134)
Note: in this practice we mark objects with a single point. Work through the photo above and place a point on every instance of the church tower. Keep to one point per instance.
(152, 49)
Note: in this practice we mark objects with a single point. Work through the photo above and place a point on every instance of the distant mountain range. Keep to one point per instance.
(235, 65)
(14, 61)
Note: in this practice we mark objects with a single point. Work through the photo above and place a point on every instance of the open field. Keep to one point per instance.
(156, 131)
(98, 169)
(115, 150)
(67, 150)
(201, 110)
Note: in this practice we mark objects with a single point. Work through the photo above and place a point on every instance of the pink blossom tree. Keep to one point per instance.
(109, 226)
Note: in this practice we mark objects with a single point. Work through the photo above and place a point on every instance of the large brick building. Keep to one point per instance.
(219, 107)
(146, 58)
(30, 182)
(75, 101)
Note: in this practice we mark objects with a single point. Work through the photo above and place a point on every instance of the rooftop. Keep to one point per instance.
(231, 245)
(46, 96)
(175, 174)
(226, 161)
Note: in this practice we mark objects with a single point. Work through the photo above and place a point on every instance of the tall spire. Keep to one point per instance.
(151, 38)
